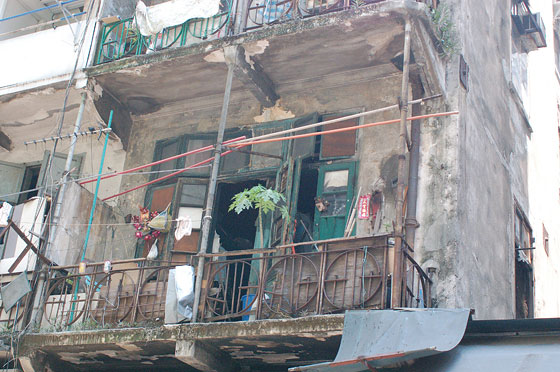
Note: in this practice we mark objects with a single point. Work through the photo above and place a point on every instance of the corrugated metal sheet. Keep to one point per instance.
(377, 338)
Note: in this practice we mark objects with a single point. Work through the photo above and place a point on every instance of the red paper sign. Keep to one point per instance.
(363, 207)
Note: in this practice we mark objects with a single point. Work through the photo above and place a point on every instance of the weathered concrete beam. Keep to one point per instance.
(204, 357)
(104, 102)
(251, 74)
(5, 141)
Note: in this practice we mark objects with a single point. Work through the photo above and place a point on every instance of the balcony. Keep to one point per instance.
(529, 25)
(337, 275)
(121, 39)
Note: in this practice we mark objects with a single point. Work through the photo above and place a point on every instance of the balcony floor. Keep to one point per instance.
(271, 345)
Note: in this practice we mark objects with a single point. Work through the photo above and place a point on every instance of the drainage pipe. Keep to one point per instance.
(396, 292)
(414, 162)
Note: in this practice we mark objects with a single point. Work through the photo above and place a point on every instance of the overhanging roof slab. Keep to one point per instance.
(309, 49)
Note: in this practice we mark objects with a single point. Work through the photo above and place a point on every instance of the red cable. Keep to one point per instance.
(172, 174)
(192, 152)
(350, 128)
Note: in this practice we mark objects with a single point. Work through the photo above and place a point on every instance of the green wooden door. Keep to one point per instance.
(335, 188)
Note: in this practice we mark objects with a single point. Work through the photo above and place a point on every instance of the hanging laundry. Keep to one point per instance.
(184, 227)
(152, 20)
(5, 210)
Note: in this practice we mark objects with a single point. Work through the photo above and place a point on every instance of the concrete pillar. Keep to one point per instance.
(204, 357)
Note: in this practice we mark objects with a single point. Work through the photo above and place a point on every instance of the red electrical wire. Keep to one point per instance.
(172, 174)
(192, 152)
(349, 128)
(265, 141)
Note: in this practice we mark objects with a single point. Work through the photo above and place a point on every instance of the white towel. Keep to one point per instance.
(184, 227)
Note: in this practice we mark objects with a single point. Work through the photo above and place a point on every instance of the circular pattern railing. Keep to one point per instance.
(291, 285)
(352, 279)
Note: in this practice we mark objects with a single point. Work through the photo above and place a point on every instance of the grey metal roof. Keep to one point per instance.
(377, 338)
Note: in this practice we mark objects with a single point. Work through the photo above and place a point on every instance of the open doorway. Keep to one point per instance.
(235, 231)
(233, 279)
(305, 211)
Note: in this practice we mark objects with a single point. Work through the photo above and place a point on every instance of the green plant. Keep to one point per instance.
(445, 30)
(262, 199)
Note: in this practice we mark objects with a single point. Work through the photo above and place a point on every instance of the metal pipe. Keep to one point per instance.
(396, 293)
(37, 305)
(207, 219)
(97, 188)
(67, 167)
(413, 166)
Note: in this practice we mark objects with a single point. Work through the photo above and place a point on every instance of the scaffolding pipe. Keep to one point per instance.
(67, 168)
(398, 272)
(38, 309)
(207, 219)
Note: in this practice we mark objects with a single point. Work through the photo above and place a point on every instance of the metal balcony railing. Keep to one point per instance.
(131, 292)
(310, 278)
(122, 39)
(337, 275)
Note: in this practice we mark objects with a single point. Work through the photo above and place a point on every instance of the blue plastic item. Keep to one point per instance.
(246, 300)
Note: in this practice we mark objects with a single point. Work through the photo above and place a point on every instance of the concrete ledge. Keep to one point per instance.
(312, 327)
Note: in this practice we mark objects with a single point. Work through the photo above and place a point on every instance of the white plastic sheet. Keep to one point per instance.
(153, 19)
(184, 287)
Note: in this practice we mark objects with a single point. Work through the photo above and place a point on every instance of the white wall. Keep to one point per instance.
(544, 167)
(42, 56)
(10, 8)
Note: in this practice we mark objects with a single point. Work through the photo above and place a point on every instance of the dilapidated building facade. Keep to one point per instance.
(415, 146)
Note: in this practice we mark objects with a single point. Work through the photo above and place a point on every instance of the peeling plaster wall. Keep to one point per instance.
(35, 115)
(466, 209)
(376, 146)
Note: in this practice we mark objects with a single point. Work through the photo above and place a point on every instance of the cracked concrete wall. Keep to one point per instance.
(474, 167)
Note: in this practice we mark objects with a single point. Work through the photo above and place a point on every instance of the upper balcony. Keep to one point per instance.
(121, 38)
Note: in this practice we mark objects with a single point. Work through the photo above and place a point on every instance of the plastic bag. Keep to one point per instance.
(161, 222)
(153, 253)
